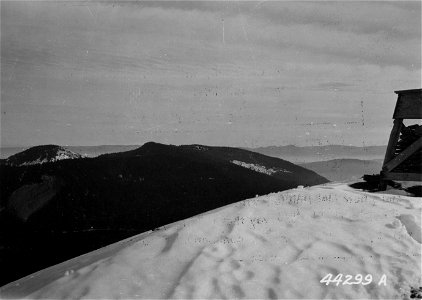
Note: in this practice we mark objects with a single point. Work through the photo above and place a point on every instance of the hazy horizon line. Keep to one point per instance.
(234, 146)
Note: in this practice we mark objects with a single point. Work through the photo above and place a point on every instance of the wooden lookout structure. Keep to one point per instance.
(403, 158)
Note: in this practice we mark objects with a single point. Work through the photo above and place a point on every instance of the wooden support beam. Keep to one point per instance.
(391, 149)
(402, 176)
(392, 142)
(403, 155)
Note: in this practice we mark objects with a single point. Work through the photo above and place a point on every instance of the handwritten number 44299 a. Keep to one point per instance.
(349, 279)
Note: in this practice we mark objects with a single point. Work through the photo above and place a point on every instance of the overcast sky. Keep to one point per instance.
(218, 73)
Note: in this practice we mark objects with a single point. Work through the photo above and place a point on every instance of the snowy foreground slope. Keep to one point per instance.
(275, 246)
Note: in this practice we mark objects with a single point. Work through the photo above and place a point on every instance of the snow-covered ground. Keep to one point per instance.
(275, 246)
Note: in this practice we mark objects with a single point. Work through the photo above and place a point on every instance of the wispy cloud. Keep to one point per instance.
(166, 65)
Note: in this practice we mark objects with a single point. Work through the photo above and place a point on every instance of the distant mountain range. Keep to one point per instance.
(291, 153)
(88, 151)
(322, 153)
(344, 169)
(59, 209)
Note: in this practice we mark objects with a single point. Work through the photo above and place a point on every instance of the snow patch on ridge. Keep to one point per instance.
(259, 168)
(200, 148)
(38, 161)
(65, 154)
(61, 154)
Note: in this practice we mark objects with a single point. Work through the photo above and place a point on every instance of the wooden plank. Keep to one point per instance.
(392, 142)
(409, 106)
(403, 156)
(402, 176)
